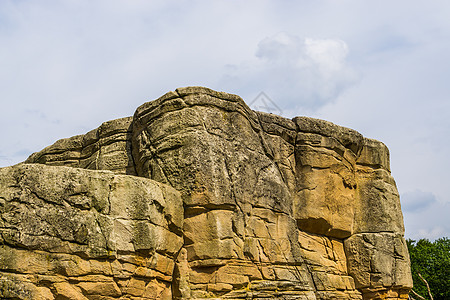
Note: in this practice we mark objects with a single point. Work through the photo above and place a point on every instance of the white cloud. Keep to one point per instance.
(432, 233)
(302, 73)
(430, 221)
(324, 56)
(416, 200)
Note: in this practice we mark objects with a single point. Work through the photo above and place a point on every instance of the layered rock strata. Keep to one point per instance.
(197, 196)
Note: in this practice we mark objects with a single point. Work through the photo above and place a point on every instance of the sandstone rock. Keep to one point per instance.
(378, 261)
(104, 148)
(227, 203)
(377, 206)
(72, 222)
(66, 291)
(17, 286)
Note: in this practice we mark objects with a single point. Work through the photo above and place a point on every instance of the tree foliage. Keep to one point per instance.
(432, 260)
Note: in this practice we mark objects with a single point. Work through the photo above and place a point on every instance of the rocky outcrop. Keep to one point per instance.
(197, 196)
(69, 233)
(104, 148)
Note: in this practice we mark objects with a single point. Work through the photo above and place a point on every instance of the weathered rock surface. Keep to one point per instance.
(197, 196)
(70, 233)
(104, 148)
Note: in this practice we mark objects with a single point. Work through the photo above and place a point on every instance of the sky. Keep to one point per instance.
(379, 67)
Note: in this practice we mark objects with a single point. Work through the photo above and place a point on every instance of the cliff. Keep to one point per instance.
(197, 196)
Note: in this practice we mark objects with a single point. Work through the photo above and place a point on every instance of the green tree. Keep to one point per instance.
(432, 260)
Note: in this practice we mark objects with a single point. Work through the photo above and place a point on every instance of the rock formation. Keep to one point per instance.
(197, 196)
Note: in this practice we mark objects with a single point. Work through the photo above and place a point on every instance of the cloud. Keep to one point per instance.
(302, 72)
(427, 218)
(432, 233)
(417, 200)
(325, 55)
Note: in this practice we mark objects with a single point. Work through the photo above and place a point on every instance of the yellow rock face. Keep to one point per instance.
(204, 198)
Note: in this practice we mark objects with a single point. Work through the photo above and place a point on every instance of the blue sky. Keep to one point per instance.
(380, 67)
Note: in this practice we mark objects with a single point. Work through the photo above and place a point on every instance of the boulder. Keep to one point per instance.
(197, 196)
